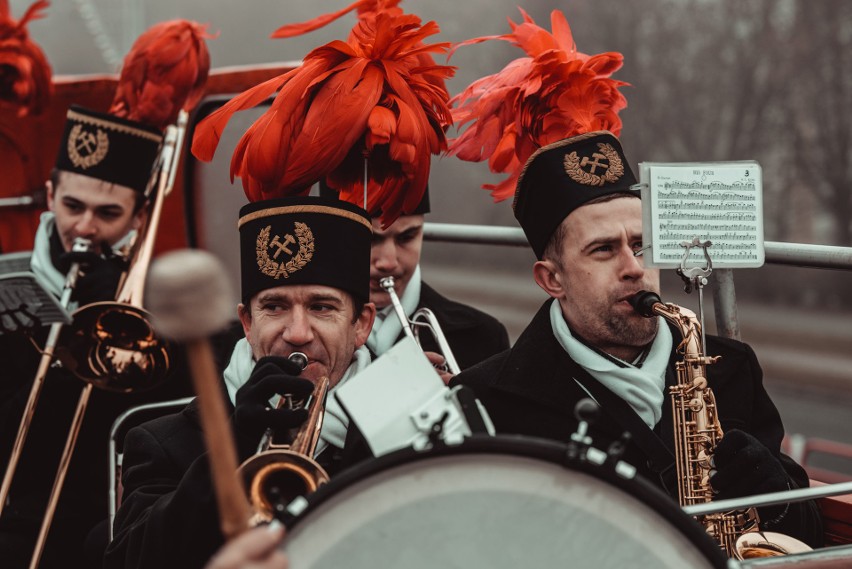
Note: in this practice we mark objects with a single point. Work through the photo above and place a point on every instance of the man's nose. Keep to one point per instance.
(383, 256)
(86, 226)
(298, 330)
(632, 267)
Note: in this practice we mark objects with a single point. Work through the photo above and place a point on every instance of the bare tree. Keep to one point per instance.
(823, 109)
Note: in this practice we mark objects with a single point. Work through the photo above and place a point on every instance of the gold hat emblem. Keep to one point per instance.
(87, 148)
(292, 262)
(597, 169)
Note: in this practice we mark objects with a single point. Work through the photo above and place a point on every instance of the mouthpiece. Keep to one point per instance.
(643, 302)
(299, 359)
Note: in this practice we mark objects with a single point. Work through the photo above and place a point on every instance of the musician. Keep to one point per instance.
(96, 192)
(395, 252)
(305, 287)
(583, 219)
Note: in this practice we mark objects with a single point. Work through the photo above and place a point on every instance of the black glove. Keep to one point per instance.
(252, 414)
(99, 274)
(744, 466)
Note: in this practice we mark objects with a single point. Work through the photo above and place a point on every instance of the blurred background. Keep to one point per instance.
(764, 80)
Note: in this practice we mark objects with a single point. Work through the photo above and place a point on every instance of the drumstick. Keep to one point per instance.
(189, 296)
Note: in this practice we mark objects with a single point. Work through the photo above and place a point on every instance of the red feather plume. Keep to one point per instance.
(370, 98)
(554, 92)
(367, 10)
(164, 72)
(25, 75)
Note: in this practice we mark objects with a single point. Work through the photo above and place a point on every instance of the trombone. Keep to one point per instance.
(112, 345)
(81, 245)
(423, 318)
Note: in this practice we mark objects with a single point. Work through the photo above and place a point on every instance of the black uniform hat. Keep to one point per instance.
(423, 207)
(562, 176)
(305, 240)
(112, 149)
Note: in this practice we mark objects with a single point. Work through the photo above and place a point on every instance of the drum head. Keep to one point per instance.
(493, 502)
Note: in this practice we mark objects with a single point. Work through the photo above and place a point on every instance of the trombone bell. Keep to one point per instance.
(113, 346)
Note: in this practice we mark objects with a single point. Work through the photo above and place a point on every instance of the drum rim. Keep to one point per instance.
(529, 447)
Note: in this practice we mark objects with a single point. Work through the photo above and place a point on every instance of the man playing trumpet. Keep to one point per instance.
(305, 288)
(395, 252)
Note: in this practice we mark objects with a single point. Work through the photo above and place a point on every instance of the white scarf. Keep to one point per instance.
(387, 327)
(642, 388)
(41, 263)
(335, 422)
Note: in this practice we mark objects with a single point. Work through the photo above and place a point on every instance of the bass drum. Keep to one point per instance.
(495, 502)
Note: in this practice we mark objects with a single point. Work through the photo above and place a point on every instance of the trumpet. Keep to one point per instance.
(422, 319)
(112, 345)
(278, 473)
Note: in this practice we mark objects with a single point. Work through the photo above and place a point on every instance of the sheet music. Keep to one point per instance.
(26, 304)
(717, 201)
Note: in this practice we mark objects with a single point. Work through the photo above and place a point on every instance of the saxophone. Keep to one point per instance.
(697, 431)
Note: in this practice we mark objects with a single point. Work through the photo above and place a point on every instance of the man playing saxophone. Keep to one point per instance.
(576, 203)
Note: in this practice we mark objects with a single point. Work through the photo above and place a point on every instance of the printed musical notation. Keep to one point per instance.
(717, 201)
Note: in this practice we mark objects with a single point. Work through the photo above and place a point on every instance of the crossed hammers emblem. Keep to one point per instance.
(595, 163)
(86, 141)
(288, 240)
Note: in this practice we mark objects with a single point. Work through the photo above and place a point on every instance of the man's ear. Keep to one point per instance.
(244, 313)
(548, 278)
(364, 323)
(48, 185)
(139, 218)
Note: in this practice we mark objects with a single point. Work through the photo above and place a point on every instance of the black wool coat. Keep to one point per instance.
(83, 503)
(168, 515)
(530, 390)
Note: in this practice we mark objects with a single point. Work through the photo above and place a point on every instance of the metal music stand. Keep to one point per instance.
(695, 278)
(25, 304)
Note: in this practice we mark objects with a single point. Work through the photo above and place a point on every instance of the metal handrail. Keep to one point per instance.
(770, 499)
(781, 253)
(724, 294)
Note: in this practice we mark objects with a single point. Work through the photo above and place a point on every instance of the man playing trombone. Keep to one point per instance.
(95, 193)
(98, 193)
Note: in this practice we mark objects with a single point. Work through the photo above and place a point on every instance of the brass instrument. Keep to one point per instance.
(697, 432)
(423, 318)
(278, 473)
(112, 345)
(81, 245)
